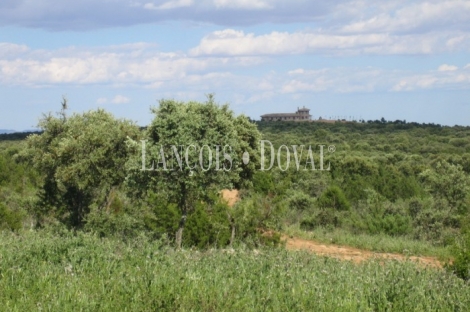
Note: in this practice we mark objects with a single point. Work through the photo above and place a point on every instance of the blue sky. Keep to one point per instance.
(365, 59)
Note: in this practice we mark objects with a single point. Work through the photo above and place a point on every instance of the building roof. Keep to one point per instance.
(282, 115)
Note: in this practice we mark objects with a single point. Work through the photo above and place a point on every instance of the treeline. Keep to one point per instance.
(16, 136)
(84, 172)
(407, 180)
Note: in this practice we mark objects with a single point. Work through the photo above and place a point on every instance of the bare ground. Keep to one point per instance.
(352, 254)
(339, 252)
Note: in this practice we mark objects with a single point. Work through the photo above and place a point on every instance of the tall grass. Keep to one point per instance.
(49, 272)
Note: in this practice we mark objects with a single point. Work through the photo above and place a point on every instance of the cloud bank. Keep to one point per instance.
(348, 16)
(141, 65)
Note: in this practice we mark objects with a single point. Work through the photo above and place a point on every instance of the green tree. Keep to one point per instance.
(192, 150)
(333, 197)
(450, 182)
(9, 219)
(82, 160)
(461, 253)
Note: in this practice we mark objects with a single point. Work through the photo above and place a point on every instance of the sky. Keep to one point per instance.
(364, 59)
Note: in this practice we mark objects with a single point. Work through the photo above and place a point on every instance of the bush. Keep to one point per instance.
(299, 201)
(334, 197)
(117, 219)
(161, 217)
(263, 182)
(376, 215)
(461, 253)
(255, 215)
(207, 226)
(9, 219)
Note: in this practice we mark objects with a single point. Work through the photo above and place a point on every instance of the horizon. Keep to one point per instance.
(365, 122)
(400, 60)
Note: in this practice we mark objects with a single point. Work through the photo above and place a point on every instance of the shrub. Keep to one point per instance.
(207, 226)
(161, 217)
(334, 197)
(461, 253)
(376, 215)
(263, 182)
(9, 219)
(299, 201)
(117, 218)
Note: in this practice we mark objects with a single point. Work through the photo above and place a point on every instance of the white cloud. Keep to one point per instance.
(445, 67)
(11, 50)
(298, 71)
(131, 64)
(120, 99)
(174, 4)
(370, 79)
(141, 65)
(410, 16)
(438, 80)
(102, 100)
(340, 80)
(242, 4)
(233, 42)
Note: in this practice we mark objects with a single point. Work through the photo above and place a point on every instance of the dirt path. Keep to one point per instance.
(339, 252)
(352, 254)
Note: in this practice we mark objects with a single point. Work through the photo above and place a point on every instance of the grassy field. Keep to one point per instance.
(40, 271)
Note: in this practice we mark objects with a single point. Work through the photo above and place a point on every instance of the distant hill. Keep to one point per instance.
(6, 131)
(13, 136)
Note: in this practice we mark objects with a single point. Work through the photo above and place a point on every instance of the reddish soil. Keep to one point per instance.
(339, 252)
(231, 196)
(352, 254)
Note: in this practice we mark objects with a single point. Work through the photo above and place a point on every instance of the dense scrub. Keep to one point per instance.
(69, 272)
(398, 180)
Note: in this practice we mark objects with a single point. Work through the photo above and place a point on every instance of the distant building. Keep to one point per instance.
(302, 114)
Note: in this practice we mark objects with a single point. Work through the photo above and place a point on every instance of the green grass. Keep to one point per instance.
(378, 242)
(41, 271)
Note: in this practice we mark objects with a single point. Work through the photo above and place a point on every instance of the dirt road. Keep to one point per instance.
(339, 252)
(352, 254)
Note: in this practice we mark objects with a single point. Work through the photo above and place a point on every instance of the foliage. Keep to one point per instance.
(208, 226)
(461, 254)
(418, 173)
(10, 220)
(299, 201)
(263, 182)
(334, 198)
(449, 182)
(180, 142)
(380, 216)
(118, 219)
(161, 217)
(81, 158)
(391, 183)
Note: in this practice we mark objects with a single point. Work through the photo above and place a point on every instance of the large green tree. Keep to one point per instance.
(81, 158)
(190, 151)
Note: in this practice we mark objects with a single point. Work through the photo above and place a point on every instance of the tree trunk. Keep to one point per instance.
(232, 225)
(179, 233)
(232, 237)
